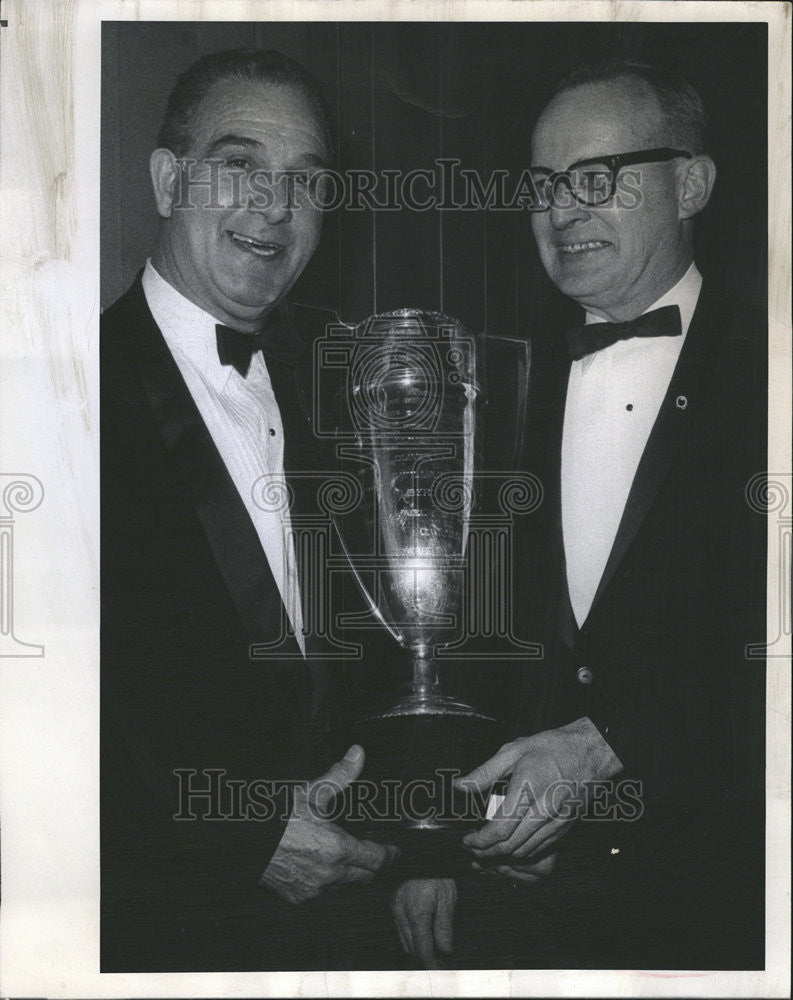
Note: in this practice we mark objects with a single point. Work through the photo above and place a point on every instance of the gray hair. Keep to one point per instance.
(681, 106)
(256, 65)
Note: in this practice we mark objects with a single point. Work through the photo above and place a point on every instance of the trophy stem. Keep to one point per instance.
(426, 686)
(425, 695)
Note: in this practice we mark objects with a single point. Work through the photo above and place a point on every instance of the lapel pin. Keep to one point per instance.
(681, 402)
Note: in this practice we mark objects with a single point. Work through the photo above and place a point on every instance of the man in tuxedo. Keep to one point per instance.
(206, 845)
(634, 809)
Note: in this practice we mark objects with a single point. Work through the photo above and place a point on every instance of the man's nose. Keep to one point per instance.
(562, 217)
(275, 203)
(279, 211)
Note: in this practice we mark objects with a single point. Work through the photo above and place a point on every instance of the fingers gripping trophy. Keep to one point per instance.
(414, 394)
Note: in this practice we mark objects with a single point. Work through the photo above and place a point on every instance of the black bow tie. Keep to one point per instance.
(663, 322)
(237, 348)
(282, 339)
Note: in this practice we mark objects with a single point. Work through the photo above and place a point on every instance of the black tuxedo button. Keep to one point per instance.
(585, 675)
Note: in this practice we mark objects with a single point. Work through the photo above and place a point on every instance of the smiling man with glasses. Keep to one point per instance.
(647, 563)
(616, 249)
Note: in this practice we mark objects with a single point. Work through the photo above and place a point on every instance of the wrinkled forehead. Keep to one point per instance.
(595, 119)
(277, 115)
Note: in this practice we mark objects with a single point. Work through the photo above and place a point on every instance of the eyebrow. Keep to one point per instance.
(233, 140)
(230, 139)
(576, 163)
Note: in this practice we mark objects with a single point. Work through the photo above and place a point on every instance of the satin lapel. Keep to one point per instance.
(226, 524)
(543, 455)
(680, 406)
(507, 368)
(300, 469)
(563, 617)
(303, 463)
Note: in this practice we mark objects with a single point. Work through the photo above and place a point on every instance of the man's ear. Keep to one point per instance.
(164, 170)
(697, 177)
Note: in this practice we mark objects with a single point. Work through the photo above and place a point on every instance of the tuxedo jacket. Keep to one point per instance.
(663, 663)
(186, 592)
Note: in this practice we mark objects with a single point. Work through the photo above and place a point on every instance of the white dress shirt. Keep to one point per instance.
(243, 419)
(613, 400)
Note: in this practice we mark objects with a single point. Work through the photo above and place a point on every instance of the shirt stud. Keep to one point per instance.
(681, 402)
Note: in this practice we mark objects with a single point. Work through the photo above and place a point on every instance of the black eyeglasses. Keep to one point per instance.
(592, 182)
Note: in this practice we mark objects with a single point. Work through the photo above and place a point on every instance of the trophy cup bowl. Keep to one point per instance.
(414, 395)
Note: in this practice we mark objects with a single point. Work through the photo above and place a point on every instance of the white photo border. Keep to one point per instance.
(50, 86)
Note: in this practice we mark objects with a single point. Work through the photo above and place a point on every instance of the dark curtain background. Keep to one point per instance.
(403, 94)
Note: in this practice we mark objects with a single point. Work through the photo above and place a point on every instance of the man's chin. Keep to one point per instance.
(257, 300)
(245, 316)
(580, 291)
(583, 281)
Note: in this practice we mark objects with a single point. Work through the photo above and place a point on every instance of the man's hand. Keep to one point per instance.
(424, 913)
(528, 873)
(546, 790)
(315, 854)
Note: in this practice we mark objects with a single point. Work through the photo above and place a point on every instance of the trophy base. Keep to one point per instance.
(406, 795)
(431, 704)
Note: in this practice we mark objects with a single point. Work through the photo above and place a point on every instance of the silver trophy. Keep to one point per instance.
(414, 394)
